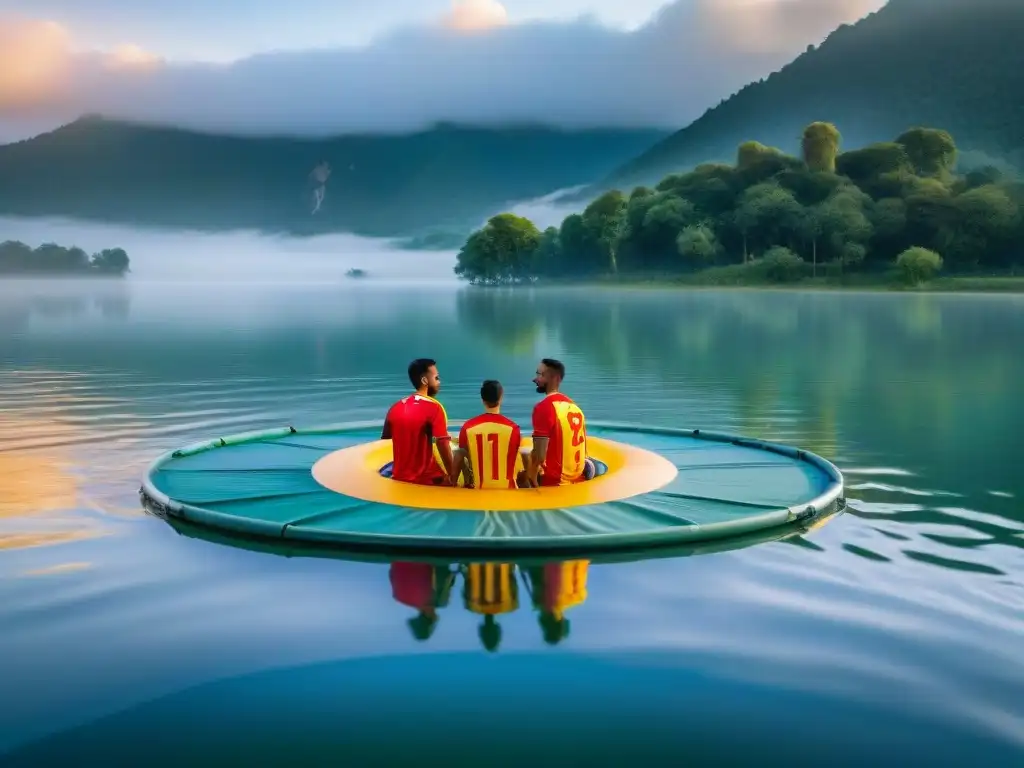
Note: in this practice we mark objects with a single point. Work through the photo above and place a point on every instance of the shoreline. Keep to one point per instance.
(1003, 284)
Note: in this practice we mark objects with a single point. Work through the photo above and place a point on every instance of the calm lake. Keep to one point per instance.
(891, 634)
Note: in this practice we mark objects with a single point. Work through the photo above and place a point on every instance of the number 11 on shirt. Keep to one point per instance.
(492, 441)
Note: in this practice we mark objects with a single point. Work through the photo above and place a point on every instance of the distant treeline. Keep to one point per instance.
(778, 218)
(17, 258)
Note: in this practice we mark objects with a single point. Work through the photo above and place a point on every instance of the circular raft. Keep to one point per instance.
(655, 487)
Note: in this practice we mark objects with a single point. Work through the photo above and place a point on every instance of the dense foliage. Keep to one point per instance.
(775, 217)
(914, 62)
(16, 258)
(443, 178)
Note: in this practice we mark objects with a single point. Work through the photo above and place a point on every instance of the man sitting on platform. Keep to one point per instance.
(416, 425)
(488, 445)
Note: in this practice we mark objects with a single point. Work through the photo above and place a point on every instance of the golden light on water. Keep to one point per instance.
(34, 482)
(55, 570)
(39, 492)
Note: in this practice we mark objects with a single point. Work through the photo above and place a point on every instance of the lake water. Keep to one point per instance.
(891, 634)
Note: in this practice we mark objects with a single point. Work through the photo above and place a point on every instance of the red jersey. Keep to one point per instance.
(492, 443)
(413, 424)
(561, 421)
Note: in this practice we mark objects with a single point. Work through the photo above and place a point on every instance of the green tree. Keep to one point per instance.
(769, 214)
(662, 225)
(698, 245)
(756, 162)
(810, 187)
(932, 152)
(781, 265)
(986, 223)
(889, 220)
(840, 222)
(813, 222)
(631, 249)
(15, 257)
(112, 261)
(711, 188)
(579, 247)
(473, 261)
(605, 217)
(639, 193)
(931, 214)
(50, 258)
(548, 258)
(889, 217)
(501, 252)
(749, 153)
(847, 226)
(753, 153)
(868, 165)
(917, 265)
(820, 145)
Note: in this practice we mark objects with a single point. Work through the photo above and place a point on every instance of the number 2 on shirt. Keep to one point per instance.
(574, 418)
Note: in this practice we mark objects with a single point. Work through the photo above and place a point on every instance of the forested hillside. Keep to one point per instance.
(893, 208)
(956, 64)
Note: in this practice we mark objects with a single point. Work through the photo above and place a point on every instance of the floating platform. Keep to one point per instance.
(658, 487)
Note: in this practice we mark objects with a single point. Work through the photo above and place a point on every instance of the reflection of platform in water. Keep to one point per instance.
(491, 590)
(261, 485)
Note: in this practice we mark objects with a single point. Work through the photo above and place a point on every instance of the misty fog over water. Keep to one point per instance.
(235, 256)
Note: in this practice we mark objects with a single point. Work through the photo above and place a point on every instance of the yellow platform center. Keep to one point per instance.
(631, 471)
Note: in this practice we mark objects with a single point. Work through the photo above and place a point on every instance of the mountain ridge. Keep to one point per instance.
(447, 175)
(946, 63)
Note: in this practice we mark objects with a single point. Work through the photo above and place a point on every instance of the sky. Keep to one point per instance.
(320, 67)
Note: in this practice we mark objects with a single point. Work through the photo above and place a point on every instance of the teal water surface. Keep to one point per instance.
(891, 634)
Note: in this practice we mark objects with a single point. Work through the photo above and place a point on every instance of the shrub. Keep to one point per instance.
(918, 265)
(781, 265)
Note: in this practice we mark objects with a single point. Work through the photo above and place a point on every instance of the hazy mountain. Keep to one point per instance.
(380, 184)
(952, 64)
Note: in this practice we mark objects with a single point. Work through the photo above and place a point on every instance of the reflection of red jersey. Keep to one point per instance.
(412, 424)
(559, 419)
(492, 443)
(412, 584)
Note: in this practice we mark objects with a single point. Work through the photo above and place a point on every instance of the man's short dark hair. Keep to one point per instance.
(418, 369)
(490, 392)
(555, 365)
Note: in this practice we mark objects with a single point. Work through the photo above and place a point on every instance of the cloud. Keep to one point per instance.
(34, 63)
(131, 56)
(473, 15)
(40, 69)
(472, 66)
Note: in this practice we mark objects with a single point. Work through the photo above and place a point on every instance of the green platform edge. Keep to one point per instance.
(803, 513)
